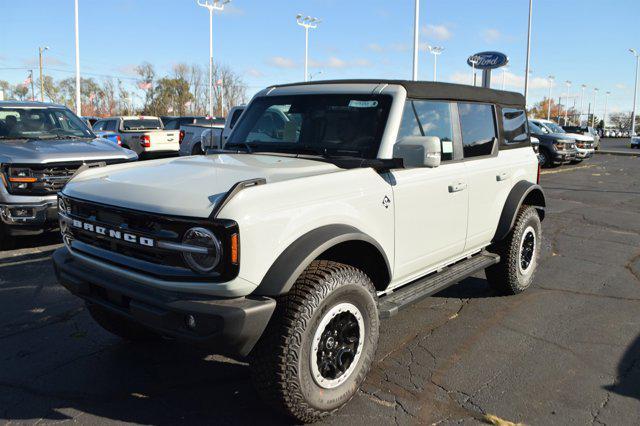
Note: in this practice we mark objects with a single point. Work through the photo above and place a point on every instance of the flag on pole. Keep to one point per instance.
(219, 83)
(27, 81)
(145, 85)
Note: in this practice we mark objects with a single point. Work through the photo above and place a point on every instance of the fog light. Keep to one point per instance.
(21, 213)
(190, 321)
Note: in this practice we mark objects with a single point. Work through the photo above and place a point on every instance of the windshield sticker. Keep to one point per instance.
(363, 104)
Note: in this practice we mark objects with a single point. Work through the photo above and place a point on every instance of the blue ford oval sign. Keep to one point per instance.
(488, 60)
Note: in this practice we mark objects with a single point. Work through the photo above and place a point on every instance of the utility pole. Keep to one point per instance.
(213, 6)
(635, 92)
(78, 81)
(416, 39)
(40, 51)
(435, 50)
(526, 73)
(307, 22)
(551, 79)
(595, 104)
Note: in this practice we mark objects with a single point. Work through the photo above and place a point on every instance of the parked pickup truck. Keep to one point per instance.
(289, 247)
(41, 147)
(216, 137)
(142, 134)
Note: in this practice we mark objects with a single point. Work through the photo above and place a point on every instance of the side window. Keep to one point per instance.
(514, 123)
(111, 125)
(478, 128)
(171, 125)
(98, 126)
(234, 118)
(429, 118)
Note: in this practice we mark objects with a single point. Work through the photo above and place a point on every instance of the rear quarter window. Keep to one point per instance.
(514, 127)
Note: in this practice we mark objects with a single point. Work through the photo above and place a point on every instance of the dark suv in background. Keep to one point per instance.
(555, 148)
(585, 130)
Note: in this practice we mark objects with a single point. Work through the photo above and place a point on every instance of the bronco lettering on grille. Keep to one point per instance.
(114, 234)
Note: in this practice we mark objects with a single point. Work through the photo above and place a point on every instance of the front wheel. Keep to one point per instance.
(519, 253)
(319, 346)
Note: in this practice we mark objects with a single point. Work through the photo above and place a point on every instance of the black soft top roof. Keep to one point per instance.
(438, 91)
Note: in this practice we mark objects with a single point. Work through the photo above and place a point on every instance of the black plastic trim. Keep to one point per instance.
(294, 259)
(518, 193)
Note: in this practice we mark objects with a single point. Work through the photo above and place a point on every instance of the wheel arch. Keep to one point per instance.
(523, 193)
(339, 243)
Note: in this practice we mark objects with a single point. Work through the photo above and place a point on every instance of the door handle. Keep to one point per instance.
(457, 187)
(503, 176)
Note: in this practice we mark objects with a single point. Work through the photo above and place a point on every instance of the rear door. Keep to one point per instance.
(431, 204)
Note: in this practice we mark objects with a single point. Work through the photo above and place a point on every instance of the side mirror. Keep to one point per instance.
(419, 151)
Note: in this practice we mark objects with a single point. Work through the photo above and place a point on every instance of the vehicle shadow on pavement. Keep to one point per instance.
(628, 377)
(469, 288)
(161, 384)
(34, 241)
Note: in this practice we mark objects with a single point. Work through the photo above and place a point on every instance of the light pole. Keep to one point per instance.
(595, 103)
(307, 22)
(551, 79)
(41, 50)
(584, 86)
(606, 101)
(566, 108)
(213, 6)
(635, 53)
(78, 102)
(526, 73)
(435, 50)
(416, 39)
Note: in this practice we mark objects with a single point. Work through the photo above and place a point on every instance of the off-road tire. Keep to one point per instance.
(121, 326)
(281, 362)
(507, 276)
(197, 149)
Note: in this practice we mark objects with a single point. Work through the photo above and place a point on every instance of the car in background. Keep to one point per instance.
(90, 120)
(110, 136)
(584, 143)
(585, 130)
(144, 135)
(635, 142)
(42, 146)
(191, 132)
(555, 149)
(213, 137)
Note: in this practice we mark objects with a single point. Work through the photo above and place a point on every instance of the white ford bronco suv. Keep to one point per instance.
(333, 204)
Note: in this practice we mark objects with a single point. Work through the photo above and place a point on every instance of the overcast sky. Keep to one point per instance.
(585, 41)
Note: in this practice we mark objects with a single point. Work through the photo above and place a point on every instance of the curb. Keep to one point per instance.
(623, 153)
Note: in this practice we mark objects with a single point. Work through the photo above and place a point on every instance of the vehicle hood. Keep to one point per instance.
(555, 136)
(185, 186)
(580, 138)
(53, 151)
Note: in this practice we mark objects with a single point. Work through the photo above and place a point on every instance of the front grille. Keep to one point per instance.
(156, 227)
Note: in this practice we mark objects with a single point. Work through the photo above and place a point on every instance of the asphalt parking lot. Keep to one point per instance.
(566, 352)
(617, 145)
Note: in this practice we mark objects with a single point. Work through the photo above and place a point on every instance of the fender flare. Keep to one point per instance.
(523, 190)
(294, 259)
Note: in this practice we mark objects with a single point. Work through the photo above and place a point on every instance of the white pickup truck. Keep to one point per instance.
(216, 137)
(142, 134)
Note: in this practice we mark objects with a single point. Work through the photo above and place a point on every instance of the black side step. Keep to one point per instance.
(426, 286)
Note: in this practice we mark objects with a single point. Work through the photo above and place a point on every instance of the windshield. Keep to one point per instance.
(553, 127)
(41, 123)
(350, 125)
(142, 124)
(537, 130)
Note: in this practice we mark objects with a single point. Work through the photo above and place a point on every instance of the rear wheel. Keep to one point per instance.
(319, 346)
(121, 326)
(197, 149)
(519, 253)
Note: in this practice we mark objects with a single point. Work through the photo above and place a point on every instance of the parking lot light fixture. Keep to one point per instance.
(595, 103)
(307, 22)
(551, 80)
(635, 53)
(212, 7)
(584, 86)
(604, 118)
(416, 39)
(435, 51)
(566, 107)
(528, 60)
(78, 81)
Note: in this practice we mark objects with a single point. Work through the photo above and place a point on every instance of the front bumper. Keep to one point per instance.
(230, 326)
(25, 214)
(563, 157)
(585, 153)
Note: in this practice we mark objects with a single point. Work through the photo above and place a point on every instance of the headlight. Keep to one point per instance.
(203, 250)
(63, 207)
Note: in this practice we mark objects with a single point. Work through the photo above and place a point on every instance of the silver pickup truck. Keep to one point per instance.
(41, 147)
(143, 134)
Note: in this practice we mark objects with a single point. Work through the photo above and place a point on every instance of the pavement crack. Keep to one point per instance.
(587, 294)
